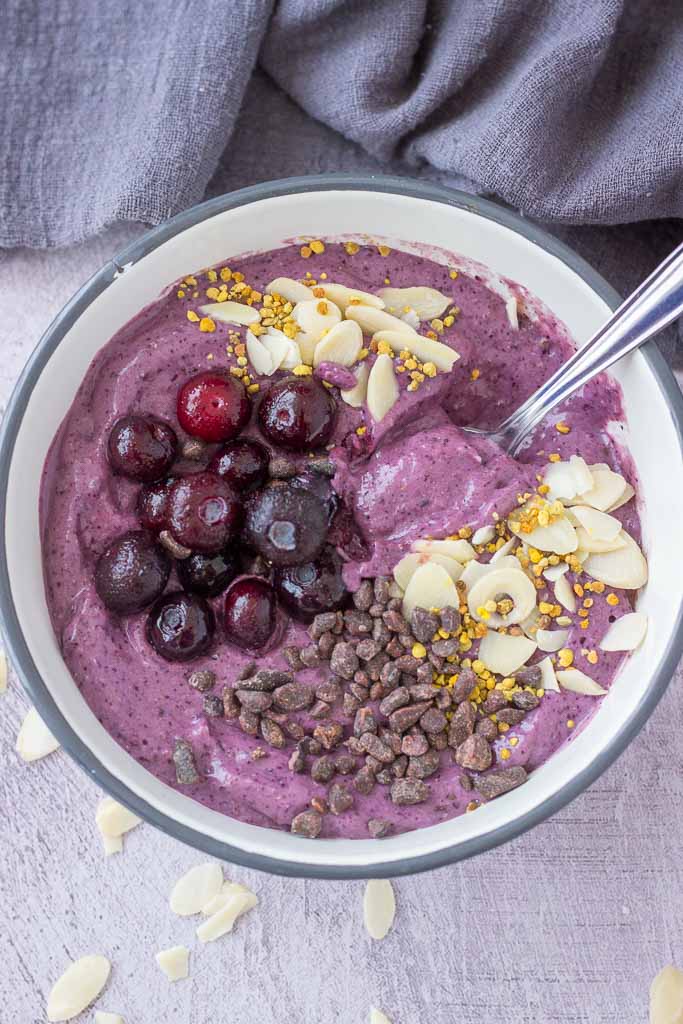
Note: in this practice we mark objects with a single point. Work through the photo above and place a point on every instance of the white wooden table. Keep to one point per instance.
(567, 924)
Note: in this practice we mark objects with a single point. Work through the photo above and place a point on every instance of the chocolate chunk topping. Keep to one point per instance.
(307, 824)
(344, 661)
(185, 766)
(293, 696)
(323, 623)
(202, 679)
(475, 753)
(231, 706)
(339, 798)
(433, 721)
(424, 765)
(272, 733)
(330, 734)
(500, 781)
(423, 624)
(525, 700)
(414, 744)
(409, 791)
(254, 700)
(322, 769)
(405, 717)
(212, 706)
(378, 828)
(364, 597)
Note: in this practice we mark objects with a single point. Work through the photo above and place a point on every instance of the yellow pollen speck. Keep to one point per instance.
(429, 370)
(612, 600)
(351, 248)
(505, 753)
(253, 388)
(514, 740)
(207, 325)
(385, 349)
(212, 275)
(419, 651)
(453, 274)
(317, 247)
(192, 316)
(361, 431)
(191, 281)
(592, 656)
(554, 457)
(570, 723)
(242, 361)
(565, 657)
(584, 624)
(180, 293)
(562, 428)
(306, 252)
(383, 250)
(475, 374)
(302, 370)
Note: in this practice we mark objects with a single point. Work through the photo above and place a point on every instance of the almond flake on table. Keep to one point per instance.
(79, 985)
(113, 819)
(196, 888)
(379, 907)
(666, 997)
(112, 844)
(223, 920)
(34, 739)
(3, 672)
(102, 1017)
(377, 1017)
(174, 962)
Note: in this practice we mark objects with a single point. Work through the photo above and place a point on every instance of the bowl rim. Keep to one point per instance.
(18, 648)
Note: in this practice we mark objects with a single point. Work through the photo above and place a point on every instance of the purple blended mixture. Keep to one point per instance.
(414, 475)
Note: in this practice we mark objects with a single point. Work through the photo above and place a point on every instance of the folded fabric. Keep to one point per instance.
(569, 111)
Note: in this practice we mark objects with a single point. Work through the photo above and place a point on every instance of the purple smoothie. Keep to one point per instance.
(416, 475)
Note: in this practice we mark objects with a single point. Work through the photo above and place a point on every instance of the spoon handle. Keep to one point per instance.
(647, 311)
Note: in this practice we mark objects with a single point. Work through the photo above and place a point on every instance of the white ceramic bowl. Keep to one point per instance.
(262, 218)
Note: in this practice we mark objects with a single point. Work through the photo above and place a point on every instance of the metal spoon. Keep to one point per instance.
(647, 311)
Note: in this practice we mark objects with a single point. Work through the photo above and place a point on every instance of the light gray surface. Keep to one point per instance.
(567, 924)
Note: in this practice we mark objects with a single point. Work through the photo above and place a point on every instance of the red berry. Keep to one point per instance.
(213, 406)
(204, 513)
(250, 612)
(297, 413)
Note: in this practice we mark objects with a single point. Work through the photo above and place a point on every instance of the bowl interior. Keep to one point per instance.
(265, 224)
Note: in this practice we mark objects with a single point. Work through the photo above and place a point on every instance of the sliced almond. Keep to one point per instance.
(578, 682)
(344, 296)
(284, 351)
(78, 987)
(626, 634)
(559, 537)
(356, 396)
(382, 388)
(504, 653)
(607, 488)
(626, 495)
(625, 568)
(410, 317)
(430, 586)
(564, 594)
(35, 739)
(530, 624)
(425, 349)
(567, 479)
(474, 570)
(289, 289)
(593, 546)
(231, 313)
(314, 317)
(3, 672)
(108, 1018)
(598, 525)
(553, 572)
(548, 678)
(502, 582)
(426, 302)
(666, 997)
(372, 320)
(484, 535)
(461, 550)
(512, 312)
(377, 1017)
(563, 620)
(259, 356)
(404, 569)
(113, 819)
(219, 901)
(379, 907)
(174, 962)
(551, 640)
(341, 344)
(223, 920)
(112, 845)
(196, 887)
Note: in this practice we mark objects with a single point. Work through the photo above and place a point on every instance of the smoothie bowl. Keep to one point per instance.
(266, 588)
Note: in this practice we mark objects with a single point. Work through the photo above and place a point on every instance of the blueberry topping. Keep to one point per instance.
(242, 463)
(180, 626)
(208, 575)
(285, 524)
(131, 573)
(314, 587)
(141, 447)
(204, 513)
